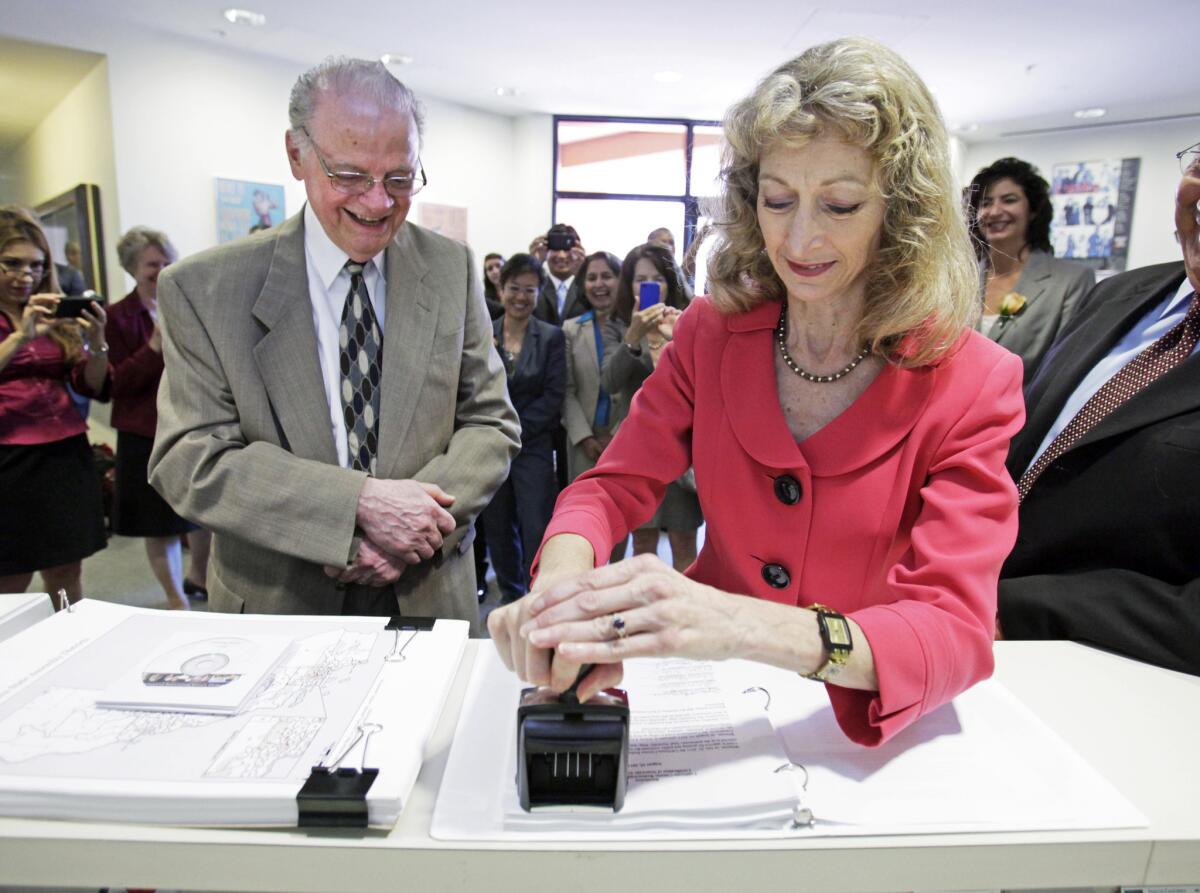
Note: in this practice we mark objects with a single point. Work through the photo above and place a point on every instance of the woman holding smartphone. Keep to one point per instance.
(51, 512)
(650, 297)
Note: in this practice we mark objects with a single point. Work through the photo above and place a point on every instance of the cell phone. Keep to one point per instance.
(72, 308)
(648, 294)
(560, 241)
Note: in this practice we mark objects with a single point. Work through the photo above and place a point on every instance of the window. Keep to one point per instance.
(617, 179)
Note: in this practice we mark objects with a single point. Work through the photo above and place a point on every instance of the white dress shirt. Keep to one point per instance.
(1160, 320)
(328, 285)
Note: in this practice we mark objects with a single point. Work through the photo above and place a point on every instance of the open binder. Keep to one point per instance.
(335, 736)
(743, 750)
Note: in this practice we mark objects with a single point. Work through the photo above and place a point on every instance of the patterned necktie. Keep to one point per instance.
(1152, 363)
(562, 297)
(361, 361)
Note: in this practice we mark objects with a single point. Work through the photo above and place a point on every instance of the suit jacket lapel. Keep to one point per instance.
(1031, 285)
(1075, 355)
(286, 355)
(407, 344)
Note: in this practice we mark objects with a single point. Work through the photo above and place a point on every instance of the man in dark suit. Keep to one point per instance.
(1108, 464)
(562, 296)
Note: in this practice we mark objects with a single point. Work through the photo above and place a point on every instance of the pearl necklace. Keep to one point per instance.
(781, 332)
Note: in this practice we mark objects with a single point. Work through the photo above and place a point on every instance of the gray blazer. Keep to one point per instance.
(1051, 288)
(583, 391)
(244, 445)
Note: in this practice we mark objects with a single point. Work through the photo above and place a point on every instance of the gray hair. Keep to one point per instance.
(137, 240)
(354, 77)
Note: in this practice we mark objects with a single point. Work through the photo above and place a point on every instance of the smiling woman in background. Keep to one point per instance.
(51, 514)
(847, 428)
(532, 351)
(1028, 295)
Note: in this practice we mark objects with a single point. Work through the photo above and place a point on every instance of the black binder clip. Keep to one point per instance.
(572, 754)
(336, 797)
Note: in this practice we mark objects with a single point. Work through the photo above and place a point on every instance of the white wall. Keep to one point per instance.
(73, 145)
(1152, 236)
(185, 112)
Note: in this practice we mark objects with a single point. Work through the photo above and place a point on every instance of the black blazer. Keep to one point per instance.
(575, 305)
(538, 384)
(1108, 551)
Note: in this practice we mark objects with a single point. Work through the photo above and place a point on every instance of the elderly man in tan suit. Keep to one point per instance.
(333, 407)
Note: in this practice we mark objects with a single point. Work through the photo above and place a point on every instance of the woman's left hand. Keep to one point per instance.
(636, 608)
(92, 323)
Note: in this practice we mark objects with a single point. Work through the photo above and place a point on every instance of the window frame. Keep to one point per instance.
(691, 203)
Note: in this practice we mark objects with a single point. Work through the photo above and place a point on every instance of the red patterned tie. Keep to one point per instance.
(1152, 363)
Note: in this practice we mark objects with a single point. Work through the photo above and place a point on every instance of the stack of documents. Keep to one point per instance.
(346, 692)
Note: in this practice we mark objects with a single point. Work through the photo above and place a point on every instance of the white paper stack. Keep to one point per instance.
(62, 757)
(196, 673)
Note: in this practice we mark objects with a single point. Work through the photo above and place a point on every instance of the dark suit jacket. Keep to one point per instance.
(70, 280)
(539, 383)
(547, 305)
(1108, 551)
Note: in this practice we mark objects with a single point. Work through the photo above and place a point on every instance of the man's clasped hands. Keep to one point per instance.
(402, 523)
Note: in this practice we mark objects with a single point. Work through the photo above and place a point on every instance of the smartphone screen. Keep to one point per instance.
(648, 294)
(72, 308)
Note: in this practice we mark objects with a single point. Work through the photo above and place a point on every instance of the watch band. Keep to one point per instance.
(836, 638)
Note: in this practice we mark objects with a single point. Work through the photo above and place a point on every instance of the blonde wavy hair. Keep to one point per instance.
(922, 286)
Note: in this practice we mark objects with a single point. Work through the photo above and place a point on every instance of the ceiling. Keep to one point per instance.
(999, 68)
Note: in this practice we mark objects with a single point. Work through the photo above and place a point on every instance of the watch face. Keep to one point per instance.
(839, 632)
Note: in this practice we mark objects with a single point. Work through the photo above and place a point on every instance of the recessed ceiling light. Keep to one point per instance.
(245, 17)
(963, 128)
(1091, 113)
(668, 77)
(396, 59)
(507, 91)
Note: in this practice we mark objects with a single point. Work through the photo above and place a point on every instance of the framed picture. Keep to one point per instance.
(244, 207)
(1093, 207)
(72, 225)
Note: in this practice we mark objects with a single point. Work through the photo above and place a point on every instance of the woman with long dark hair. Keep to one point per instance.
(1028, 295)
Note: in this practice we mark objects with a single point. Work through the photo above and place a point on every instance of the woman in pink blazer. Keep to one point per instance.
(847, 428)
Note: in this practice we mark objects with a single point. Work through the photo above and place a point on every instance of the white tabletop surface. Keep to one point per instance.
(1139, 726)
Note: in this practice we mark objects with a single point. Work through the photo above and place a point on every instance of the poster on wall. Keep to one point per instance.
(244, 207)
(446, 220)
(1093, 208)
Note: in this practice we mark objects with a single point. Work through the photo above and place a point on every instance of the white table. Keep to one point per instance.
(1138, 725)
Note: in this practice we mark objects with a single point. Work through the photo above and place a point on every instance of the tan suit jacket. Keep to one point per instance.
(583, 392)
(244, 445)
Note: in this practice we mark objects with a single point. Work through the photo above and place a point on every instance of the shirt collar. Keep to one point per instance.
(1178, 304)
(557, 282)
(327, 258)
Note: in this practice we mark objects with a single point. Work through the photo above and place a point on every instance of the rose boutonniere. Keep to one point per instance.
(1010, 305)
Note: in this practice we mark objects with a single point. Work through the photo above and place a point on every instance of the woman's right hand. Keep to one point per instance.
(643, 321)
(592, 447)
(563, 557)
(38, 315)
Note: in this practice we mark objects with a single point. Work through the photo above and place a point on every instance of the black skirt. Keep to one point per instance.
(138, 510)
(51, 511)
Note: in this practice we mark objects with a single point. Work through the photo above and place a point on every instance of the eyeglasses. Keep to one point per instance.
(516, 290)
(18, 268)
(357, 183)
(1189, 161)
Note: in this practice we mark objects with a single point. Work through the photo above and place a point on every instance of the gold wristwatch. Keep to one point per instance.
(835, 636)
